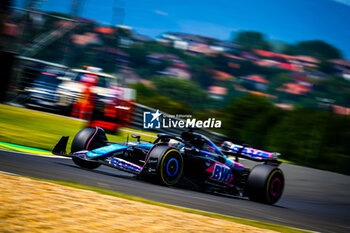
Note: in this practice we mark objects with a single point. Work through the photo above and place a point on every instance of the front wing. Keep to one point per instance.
(102, 155)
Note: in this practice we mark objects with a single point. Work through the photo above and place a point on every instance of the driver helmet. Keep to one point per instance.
(197, 141)
(187, 136)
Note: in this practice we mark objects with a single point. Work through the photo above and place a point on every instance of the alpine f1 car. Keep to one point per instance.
(191, 159)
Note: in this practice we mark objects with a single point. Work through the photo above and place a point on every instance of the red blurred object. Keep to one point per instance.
(46, 73)
(84, 105)
(110, 126)
(337, 109)
(116, 113)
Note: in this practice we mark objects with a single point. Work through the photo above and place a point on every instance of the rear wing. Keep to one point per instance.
(229, 148)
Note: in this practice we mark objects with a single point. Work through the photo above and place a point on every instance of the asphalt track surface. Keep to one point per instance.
(313, 200)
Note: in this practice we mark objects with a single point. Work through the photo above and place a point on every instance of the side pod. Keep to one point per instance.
(60, 148)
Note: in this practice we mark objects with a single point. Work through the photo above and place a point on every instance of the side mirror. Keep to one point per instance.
(136, 136)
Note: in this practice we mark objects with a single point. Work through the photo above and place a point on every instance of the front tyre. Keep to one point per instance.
(169, 166)
(265, 184)
(88, 139)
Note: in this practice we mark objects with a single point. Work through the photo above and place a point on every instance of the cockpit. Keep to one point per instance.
(191, 140)
(201, 142)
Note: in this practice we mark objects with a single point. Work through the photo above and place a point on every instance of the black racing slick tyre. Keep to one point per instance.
(265, 184)
(169, 165)
(88, 139)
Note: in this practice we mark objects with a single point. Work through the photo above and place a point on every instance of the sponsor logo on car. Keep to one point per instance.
(221, 173)
(153, 160)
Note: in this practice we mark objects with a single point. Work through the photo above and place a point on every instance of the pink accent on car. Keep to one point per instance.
(221, 173)
(87, 146)
(238, 165)
(211, 168)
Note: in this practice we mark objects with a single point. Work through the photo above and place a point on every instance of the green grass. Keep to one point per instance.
(258, 224)
(43, 130)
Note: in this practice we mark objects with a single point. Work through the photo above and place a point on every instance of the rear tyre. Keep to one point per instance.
(88, 139)
(265, 184)
(169, 167)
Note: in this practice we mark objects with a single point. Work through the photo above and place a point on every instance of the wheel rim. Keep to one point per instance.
(171, 167)
(275, 187)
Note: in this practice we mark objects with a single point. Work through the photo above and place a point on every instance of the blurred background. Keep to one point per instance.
(283, 88)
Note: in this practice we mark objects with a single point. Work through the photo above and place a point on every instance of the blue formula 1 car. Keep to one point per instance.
(191, 160)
